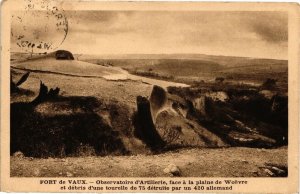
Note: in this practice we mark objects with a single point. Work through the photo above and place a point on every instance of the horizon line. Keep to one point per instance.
(113, 54)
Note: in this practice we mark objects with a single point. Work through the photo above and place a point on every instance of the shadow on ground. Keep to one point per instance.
(65, 125)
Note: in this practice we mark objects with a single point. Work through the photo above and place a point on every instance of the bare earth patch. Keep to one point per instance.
(191, 162)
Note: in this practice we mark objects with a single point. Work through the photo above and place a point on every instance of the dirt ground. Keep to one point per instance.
(196, 162)
(124, 91)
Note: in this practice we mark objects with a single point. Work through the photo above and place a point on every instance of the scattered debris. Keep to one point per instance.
(172, 169)
(45, 94)
(269, 172)
(36, 172)
(277, 170)
(69, 174)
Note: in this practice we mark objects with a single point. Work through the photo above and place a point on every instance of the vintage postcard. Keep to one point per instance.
(100, 96)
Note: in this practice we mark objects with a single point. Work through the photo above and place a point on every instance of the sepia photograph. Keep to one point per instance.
(149, 97)
(148, 93)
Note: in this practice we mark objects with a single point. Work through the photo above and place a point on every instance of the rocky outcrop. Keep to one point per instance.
(187, 117)
(199, 104)
(239, 116)
(144, 125)
(217, 96)
(166, 124)
(178, 131)
(158, 101)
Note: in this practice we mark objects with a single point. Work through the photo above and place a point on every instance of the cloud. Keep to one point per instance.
(271, 27)
(98, 22)
(257, 34)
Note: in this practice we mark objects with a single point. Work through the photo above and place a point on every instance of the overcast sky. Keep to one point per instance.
(252, 34)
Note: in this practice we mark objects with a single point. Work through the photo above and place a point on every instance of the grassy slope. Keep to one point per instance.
(122, 91)
(191, 67)
(178, 67)
(71, 67)
(174, 67)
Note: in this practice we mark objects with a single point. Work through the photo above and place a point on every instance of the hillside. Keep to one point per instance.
(222, 60)
(194, 68)
(48, 64)
(77, 110)
(71, 67)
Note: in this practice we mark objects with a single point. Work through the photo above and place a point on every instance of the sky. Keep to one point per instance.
(250, 34)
